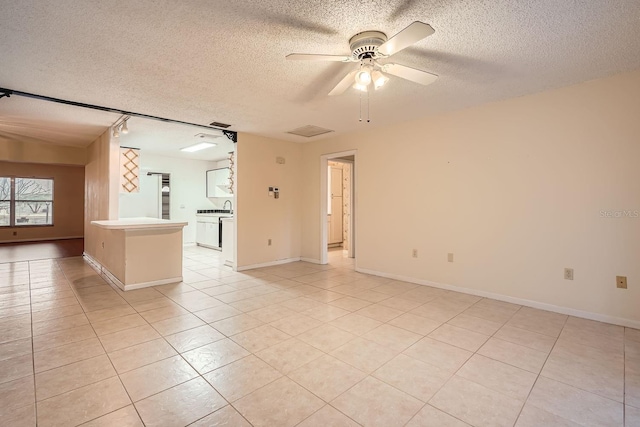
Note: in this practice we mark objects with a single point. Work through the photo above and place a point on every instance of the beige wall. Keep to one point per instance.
(260, 217)
(101, 190)
(515, 189)
(20, 151)
(68, 202)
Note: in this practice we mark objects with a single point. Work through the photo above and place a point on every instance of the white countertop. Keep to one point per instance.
(138, 223)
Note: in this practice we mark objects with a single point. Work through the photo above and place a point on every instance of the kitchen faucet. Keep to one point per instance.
(230, 205)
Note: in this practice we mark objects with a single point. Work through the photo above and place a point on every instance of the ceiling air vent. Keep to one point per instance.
(309, 131)
(219, 125)
(206, 136)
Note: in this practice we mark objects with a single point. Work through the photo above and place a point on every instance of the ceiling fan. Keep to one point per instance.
(367, 48)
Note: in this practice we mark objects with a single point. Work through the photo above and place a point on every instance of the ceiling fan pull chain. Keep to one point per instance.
(368, 106)
(360, 118)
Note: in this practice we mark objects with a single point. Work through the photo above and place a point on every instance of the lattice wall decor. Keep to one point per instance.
(232, 170)
(129, 170)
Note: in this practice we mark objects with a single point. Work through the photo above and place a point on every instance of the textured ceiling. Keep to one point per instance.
(204, 60)
(27, 119)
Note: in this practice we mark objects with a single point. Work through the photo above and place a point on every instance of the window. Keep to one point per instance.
(5, 201)
(26, 201)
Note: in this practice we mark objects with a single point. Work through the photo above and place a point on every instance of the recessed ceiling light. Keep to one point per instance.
(198, 147)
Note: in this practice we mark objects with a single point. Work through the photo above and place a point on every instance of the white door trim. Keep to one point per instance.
(324, 165)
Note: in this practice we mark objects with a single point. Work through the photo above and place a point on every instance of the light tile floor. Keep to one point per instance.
(297, 344)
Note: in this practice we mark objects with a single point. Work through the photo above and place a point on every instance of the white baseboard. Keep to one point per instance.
(268, 264)
(92, 262)
(629, 323)
(215, 248)
(48, 239)
(311, 260)
(152, 283)
(107, 275)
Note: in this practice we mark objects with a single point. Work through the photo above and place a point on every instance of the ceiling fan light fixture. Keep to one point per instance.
(379, 79)
(363, 77)
(362, 88)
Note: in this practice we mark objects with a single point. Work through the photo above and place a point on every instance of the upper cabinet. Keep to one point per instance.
(218, 184)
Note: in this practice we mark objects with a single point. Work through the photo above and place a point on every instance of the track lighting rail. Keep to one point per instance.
(4, 92)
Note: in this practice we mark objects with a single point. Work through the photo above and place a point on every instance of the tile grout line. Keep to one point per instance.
(267, 363)
(427, 336)
(541, 368)
(624, 376)
(33, 358)
(287, 376)
(580, 387)
(106, 354)
(199, 375)
(457, 370)
(304, 295)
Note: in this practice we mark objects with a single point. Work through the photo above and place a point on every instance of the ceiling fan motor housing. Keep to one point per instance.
(365, 45)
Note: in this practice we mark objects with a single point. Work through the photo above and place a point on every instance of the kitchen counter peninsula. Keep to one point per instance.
(137, 253)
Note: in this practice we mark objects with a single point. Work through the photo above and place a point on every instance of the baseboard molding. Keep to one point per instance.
(215, 248)
(108, 276)
(48, 239)
(152, 283)
(92, 262)
(311, 260)
(629, 323)
(268, 264)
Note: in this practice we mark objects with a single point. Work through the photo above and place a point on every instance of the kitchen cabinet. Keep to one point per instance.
(218, 183)
(208, 231)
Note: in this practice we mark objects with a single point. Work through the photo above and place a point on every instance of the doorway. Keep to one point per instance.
(338, 204)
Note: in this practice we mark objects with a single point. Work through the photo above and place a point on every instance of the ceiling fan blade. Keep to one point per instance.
(344, 84)
(411, 74)
(312, 57)
(405, 38)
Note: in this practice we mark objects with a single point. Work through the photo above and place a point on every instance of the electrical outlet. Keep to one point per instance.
(415, 253)
(269, 242)
(568, 274)
(621, 282)
(450, 257)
